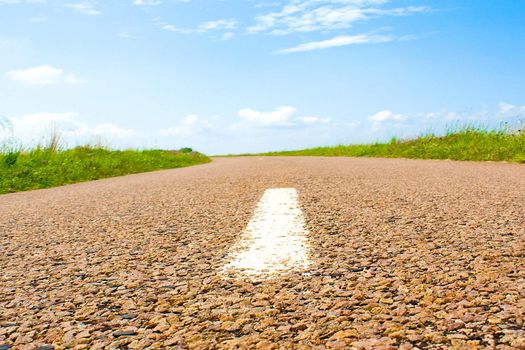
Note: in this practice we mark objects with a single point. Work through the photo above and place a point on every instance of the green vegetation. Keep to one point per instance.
(49, 166)
(466, 143)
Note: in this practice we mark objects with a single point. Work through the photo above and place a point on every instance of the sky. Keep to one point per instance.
(225, 76)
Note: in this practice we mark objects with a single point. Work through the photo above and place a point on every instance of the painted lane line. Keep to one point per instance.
(275, 239)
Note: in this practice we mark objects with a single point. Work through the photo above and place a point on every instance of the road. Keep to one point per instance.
(401, 254)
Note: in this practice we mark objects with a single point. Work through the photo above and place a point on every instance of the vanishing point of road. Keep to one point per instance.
(270, 253)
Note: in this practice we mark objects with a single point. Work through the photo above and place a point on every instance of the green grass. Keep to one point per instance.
(22, 170)
(466, 143)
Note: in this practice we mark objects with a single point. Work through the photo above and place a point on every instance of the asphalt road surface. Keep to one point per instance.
(373, 254)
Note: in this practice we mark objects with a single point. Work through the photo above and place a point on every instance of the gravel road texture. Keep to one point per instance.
(404, 254)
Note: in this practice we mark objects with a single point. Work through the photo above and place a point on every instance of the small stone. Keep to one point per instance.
(299, 326)
(83, 334)
(68, 338)
(5, 347)
(453, 325)
(45, 347)
(349, 333)
(125, 333)
(168, 287)
(85, 312)
(133, 285)
(230, 326)
(494, 320)
(162, 326)
(128, 316)
(129, 305)
(82, 341)
(163, 307)
(23, 339)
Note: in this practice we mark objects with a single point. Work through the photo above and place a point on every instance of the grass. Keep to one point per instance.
(49, 166)
(465, 143)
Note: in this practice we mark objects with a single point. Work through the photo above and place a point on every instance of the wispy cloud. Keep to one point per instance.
(146, 2)
(226, 25)
(326, 15)
(43, 75)
(342, 40)
(83, 8)
(310, 120)
(217, 25)
(8, 2)
(152, 2)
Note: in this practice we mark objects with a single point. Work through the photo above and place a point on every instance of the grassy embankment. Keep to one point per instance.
(468, 143)
(43, 167)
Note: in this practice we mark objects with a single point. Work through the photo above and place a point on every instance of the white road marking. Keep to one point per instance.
(275, 239)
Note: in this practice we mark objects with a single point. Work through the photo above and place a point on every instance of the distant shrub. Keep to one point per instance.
(186, 150)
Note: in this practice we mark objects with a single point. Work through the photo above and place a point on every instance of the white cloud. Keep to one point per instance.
(387, 116)
(508, 109)
(125, 35)
(501, 113)
(226, 25)
(281, 116)
(504, 114)
(33, 128)
(43, 75)
(342, 40)
(8, 2)
(108, 130)
(83, 8)
(152, 2)
(220, 24)
(173, 28)
(313, 120)
(325, 15)
(187, 127)
(45, 119)
(146, 2)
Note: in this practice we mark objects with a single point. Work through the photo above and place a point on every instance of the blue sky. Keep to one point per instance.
(230, 76)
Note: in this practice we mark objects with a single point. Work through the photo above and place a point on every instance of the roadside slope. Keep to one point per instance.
(50, 167)
(464, 144)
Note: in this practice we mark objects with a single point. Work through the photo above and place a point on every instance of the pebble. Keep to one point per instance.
(128, 316)
(124, 333)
